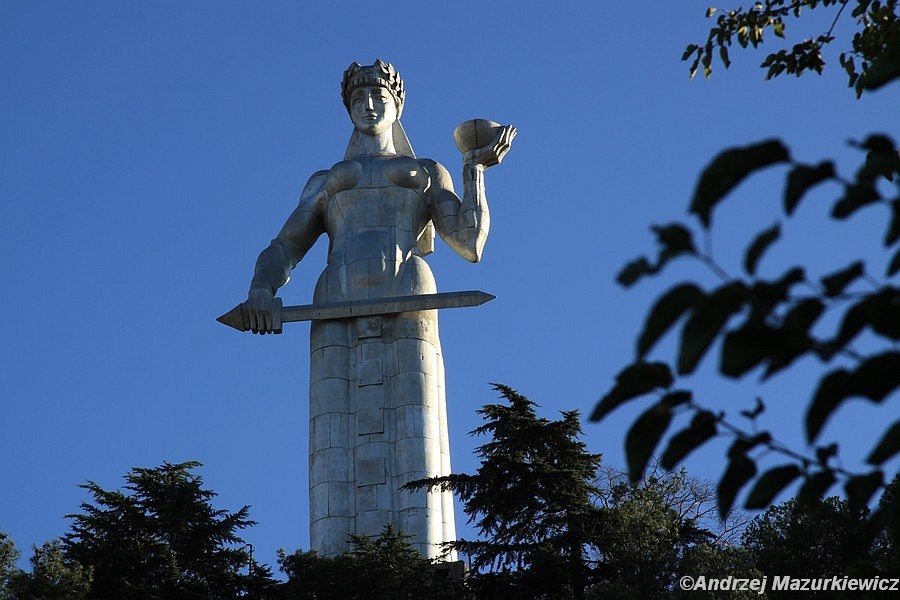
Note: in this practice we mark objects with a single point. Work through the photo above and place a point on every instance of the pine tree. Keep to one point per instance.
(531, 502)
(162, 538)
(385, 567)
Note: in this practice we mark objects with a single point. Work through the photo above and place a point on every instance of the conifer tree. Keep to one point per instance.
(162, 538)
(531, 502)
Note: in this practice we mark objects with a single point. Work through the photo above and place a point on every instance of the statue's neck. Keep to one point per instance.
(378, 144)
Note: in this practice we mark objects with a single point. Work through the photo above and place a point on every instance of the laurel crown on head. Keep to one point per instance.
(381, 74)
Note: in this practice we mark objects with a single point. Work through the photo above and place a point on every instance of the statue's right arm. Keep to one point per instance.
(274, 265)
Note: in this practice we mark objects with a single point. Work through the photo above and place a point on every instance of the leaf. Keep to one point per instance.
(800, 179)
(856, 196)
(667, 310)
(704, 324)
(768, 295)
(691, 48)
(792, 339)
(876, 377)
(855, 319)
(740, 470)
(728, 169)
(634, 271)
(885, 67)
(759, 245)
(833, 389)
(880, 310)
(888, 446)
(778, 28)
(723, 54)
(803, 315)
(701, 429)
(634, 380)
(880, 163)
(675, 239)
(878, 142)
(746, 347)
(742, 446)
(825, 453)
(893, 231)
(884, 313)
(770, 484)
(861, 487)
(815, 487)
(835, 283)
(894, 266)
(644, 435)
(882, 159)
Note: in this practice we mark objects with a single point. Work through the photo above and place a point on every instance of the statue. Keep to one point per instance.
(377, 409)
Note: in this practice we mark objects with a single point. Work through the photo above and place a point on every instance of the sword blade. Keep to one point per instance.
(237, 316)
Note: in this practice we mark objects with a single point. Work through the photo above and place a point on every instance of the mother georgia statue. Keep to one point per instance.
(377, 409)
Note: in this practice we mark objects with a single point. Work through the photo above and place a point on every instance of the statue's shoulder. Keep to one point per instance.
(436, 171)
(314, 189)
(317, 180)
(318, 176)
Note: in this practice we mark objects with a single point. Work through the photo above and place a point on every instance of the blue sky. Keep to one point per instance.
(150, 150)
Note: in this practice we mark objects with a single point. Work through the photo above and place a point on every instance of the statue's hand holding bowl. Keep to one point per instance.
(483, 142)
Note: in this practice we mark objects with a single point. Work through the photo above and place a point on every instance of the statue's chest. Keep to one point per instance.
(379, 172)
(373, 191)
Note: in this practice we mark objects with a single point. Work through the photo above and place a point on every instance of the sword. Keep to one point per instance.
(238, 318)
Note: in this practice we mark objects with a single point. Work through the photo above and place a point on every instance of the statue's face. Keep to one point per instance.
(372, 109)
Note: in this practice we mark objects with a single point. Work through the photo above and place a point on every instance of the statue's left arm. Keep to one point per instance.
(464, 223)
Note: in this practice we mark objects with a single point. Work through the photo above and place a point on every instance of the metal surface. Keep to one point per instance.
(377, 402)
(238, 319)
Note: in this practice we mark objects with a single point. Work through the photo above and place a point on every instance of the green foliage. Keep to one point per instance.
(871, 60)
(658, 529)
(385, 567)
(552, 525)
(704, 559)
(53, 576)
(886, 546)
(9, 555)
(530, 499)
(819, 539)
(161, 537)
(765, 325)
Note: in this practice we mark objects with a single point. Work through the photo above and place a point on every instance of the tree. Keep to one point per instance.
(9, 554)
(875, 44)
(886, 546)
(764, 324)
(550, 525)
(162, 538)
(820, 539)
(52, 577)
(531, 501)
(386, 566)
(660, 528)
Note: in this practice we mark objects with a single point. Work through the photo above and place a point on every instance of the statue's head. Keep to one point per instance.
(380, 74)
